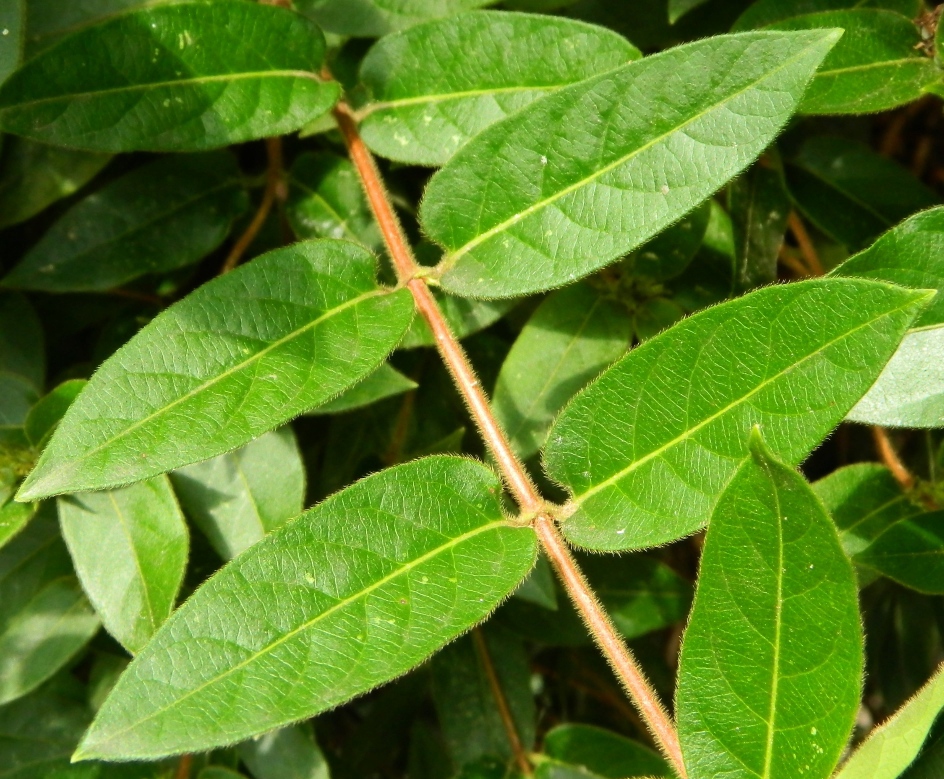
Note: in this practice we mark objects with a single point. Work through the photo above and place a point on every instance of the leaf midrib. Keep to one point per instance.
(871, 66)
(343, 603)
(145, 590)
(515, 218)
(445, 97)
(721, 412)
(778, 629)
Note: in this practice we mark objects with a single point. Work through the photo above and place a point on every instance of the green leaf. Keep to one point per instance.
(463, 316)
(678, 8)
(910, 254)
(13, 518)
(355, 592)
(864, 500)
(603, 752)
(647, 449)
(909, 392)
(766, 12)
(572, 336)
(373, 18)
(326, 200)
(875, 66)
(771, 666)
(585, 175)
(49, 410)
(671, 251)
(243, 354)
(654, 315)
(162, 216)
(129, 548)
(465, 702)
(852, 193)
(177, 77)
(911, 552)
(50, 20)
(428, 100)
(288, 753)
(219, 772)
(34, 176)
(760, 206)
(22, 345)
(12, 34)
(385, 382)
(892, 746)
(238, 497)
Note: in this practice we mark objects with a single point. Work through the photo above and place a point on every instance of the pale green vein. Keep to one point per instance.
(123, 522)
(778, 627)
(384, 105)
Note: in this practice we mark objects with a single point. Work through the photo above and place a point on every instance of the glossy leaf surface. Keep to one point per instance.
(603, 752)
(238, 497)
(911, 552)
(571, 337)
(355, 592)
(771, 666)
(239, 356)
(893, 745)
(587, 174)
(647, 448)
(160, 217)
(178, 77)
(910, 390)
(373, 18)
(430, 98)
(129, 548)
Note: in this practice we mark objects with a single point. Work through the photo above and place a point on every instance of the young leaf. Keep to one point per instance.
(567, 185)
(353, 593)
(892, 746)
(873, 68)
(864, 500)
(647, 448)
(759, 205)
(909, 392)
(910, 254)
(572, 336)
(160, 217)
(465, 701)
(429, 99)
(129, 548)
(326, 200)
(771, 666)
(373, 18)
(603, 752)
(910, 552)
(243, 354)
(238, 497)
(852, 193)
(176, 77)
(288, 753)
(34, 176)
(384, 382)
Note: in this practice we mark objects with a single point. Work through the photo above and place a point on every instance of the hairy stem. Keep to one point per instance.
(513, 472)
(183, 767)
(891, 459)
(501, 702)
(806, 244)
(273, 189)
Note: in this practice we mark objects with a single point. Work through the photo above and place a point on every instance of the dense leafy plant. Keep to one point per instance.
(675, 274)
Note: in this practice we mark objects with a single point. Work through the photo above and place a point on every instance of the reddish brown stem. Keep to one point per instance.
(273, 190)
(610, 642)
(806, 244)
(891, 459)
(183, 767)
(501, 702)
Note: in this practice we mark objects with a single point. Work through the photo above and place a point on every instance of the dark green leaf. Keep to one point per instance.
(863, 500)
(654, 315)
(429, 98)
(46, 414)
(238, 497)
(12, 34)
(35, 175)
(50, 20)
(288, 753)
(129, 548)
(162, 216)
(771, 667)
(910, 254)
(354, 593)
(765, 12)
(22, 346)
(463, 316)
(583, 176)
(241, 355)
(646, 450)
(852, 193)
(678, 8)
(876, 65)
(384, 382)
(670, 252)
(219, 772)
(465, 701)
(326, 201)
(892, 747)
(175, 77)
(911, 552)
(373, 18)
(603, 752)
(572, 336)
(760, 206)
